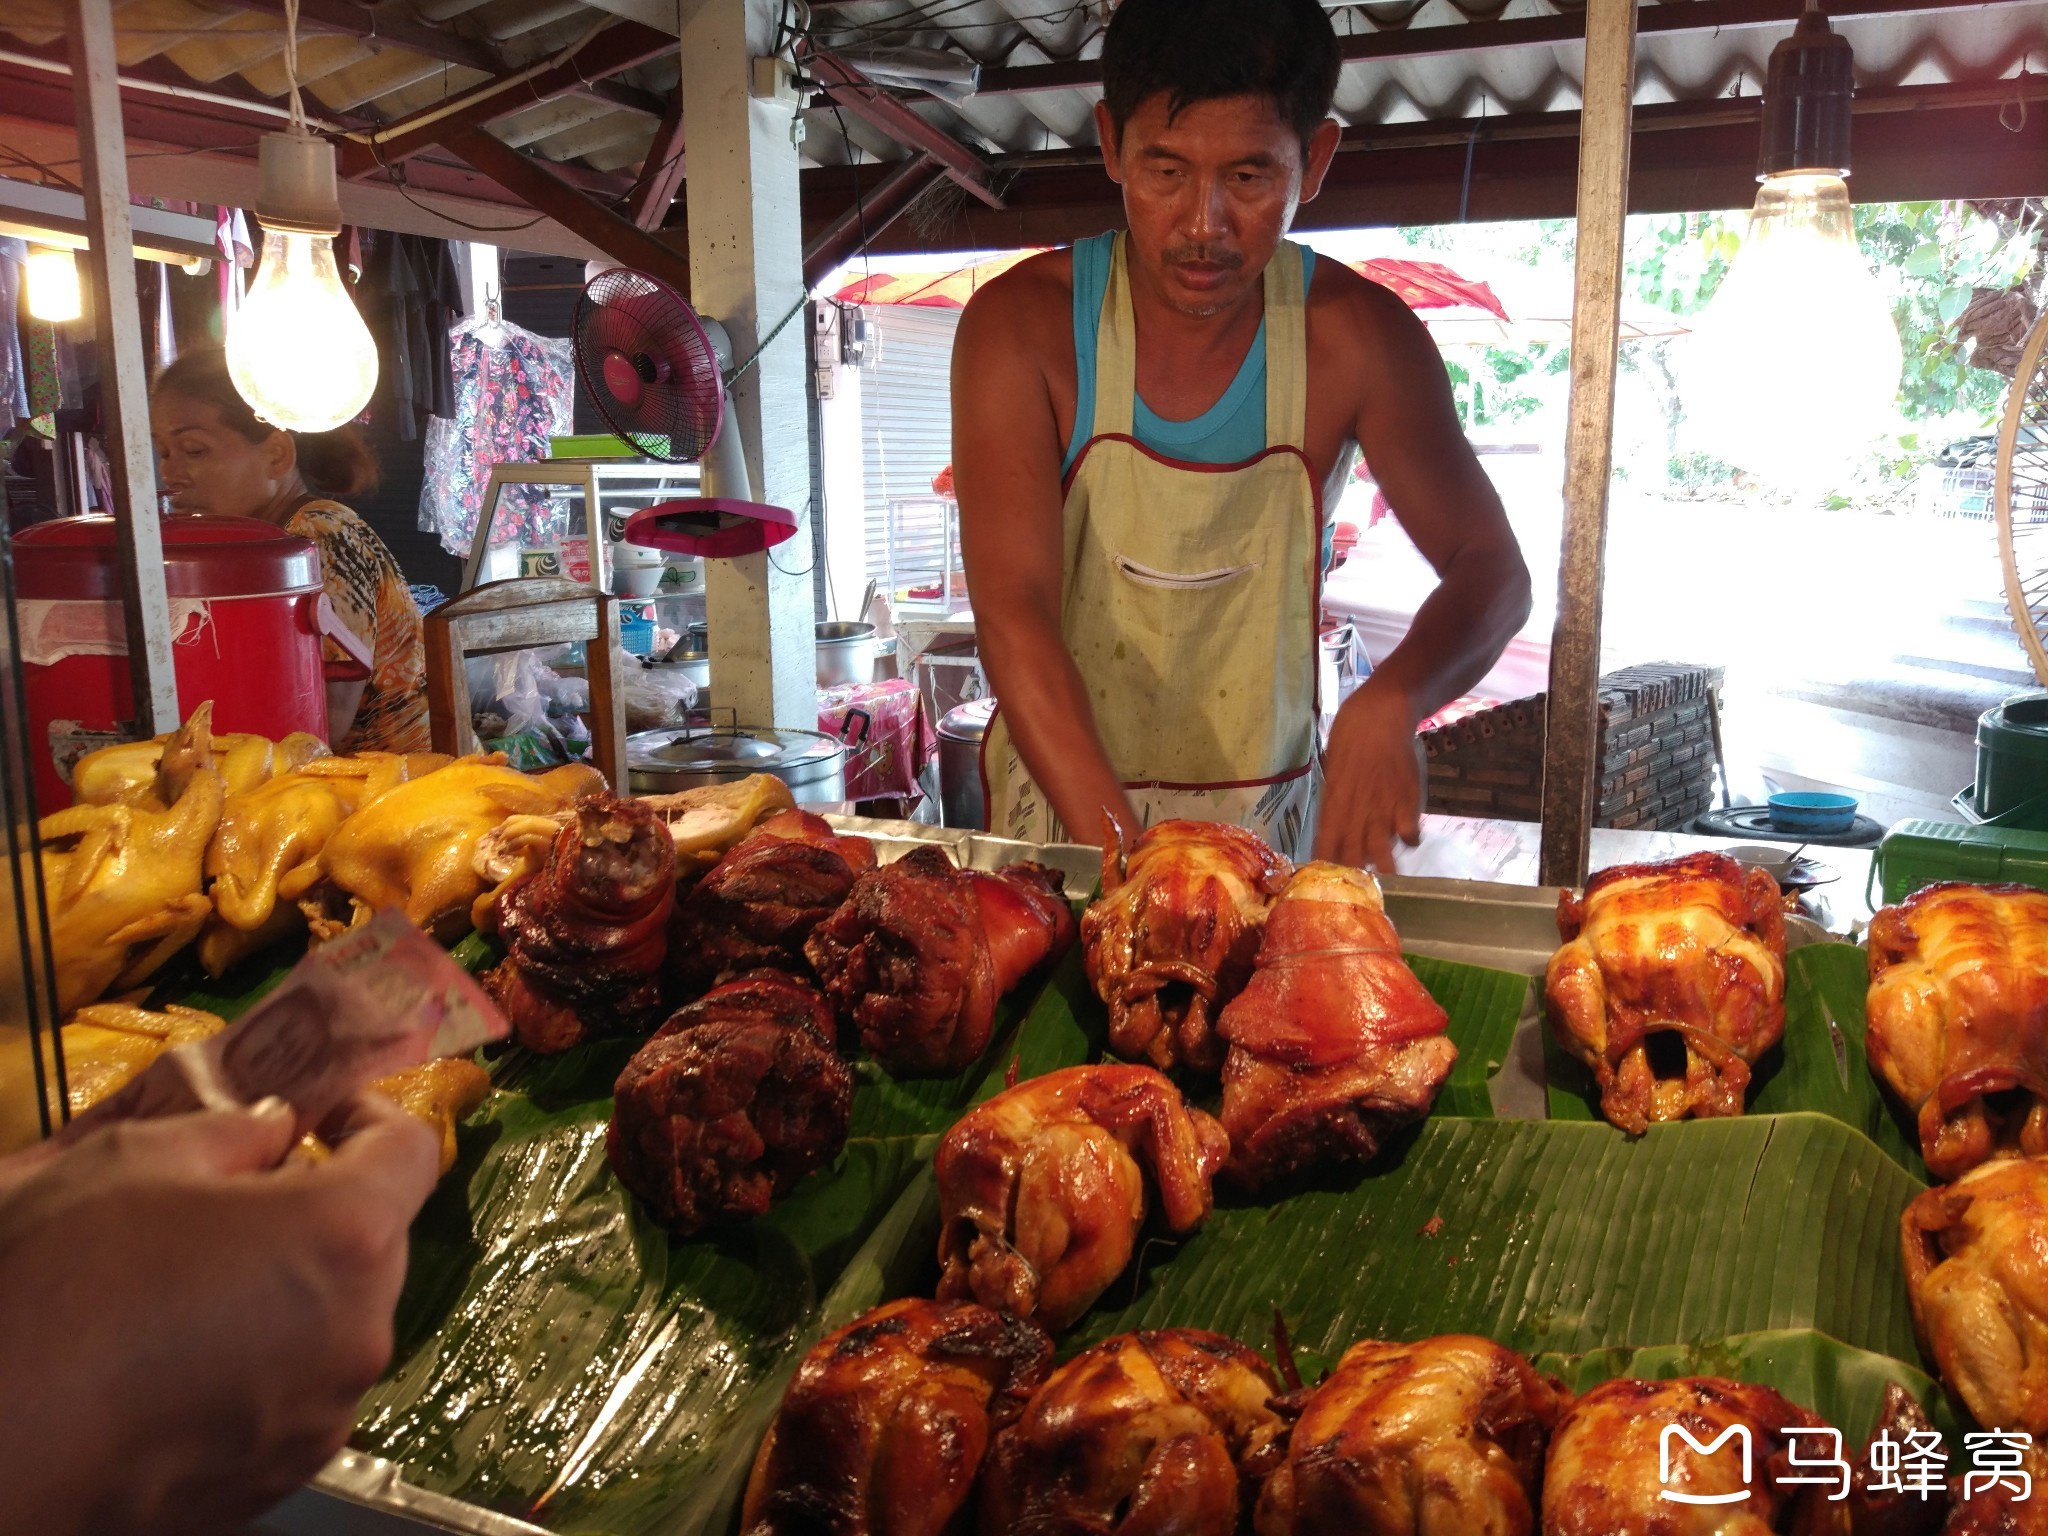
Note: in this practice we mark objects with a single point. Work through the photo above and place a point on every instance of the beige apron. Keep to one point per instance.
(1190, 605)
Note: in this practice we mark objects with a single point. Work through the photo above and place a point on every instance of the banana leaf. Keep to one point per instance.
(562, 1359)
(1555, 1237)
(1484, 1006)
(1819, 1066)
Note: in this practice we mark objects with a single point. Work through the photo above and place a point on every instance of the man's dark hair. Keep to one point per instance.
(1200, 50)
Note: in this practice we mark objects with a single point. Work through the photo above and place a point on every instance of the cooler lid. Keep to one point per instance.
(204, 556)
(2018, 726)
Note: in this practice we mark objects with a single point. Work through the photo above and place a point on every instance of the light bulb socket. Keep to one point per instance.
(296, 190)
(1808, 97)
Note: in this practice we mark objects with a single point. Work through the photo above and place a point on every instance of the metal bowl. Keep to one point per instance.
(811, 763)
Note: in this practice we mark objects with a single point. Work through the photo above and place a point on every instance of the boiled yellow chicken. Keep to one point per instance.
(1607, 1470)
(126, 773)
(123, 883)
(106, 1044)
(265, 854)
(1976, 1256)
(1442, 1437)
(1958, 1009)
(415, 847)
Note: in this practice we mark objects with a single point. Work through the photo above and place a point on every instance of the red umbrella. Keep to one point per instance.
(928, 290)
(1429, 285)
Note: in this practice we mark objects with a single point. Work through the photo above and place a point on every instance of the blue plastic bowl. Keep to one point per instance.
(1810, 812)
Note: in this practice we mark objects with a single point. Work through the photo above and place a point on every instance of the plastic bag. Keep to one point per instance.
(657, 697)
(520, 706)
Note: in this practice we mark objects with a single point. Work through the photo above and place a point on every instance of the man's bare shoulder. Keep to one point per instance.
(1036, 293)
(1363, 310)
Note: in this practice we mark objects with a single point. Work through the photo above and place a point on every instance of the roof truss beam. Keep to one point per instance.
(847, 87)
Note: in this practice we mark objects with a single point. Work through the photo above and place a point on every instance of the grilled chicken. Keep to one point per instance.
(123, 883)
(1172, 937)
(884, 1427)
(1976, 1255)
(738, 1096)
(1444, 1437)
(1333, 1042)
(1958, 1009)
(761, 901)
(920, 952)
(1167, 1431)
(1609, 1454)
(415, 848)
(1041, 1189)
(585, 938)
(1670, 984)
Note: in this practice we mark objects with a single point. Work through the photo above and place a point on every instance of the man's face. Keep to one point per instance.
(1210, 193)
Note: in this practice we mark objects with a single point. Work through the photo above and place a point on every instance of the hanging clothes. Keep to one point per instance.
(513, 391)
(410, 297)
(13, 368)
(231, 236)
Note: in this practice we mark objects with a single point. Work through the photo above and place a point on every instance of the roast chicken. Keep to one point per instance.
(127, 773)
(1976, 1255)
(1333, 1042)
(123, 883)
(266, 852)
(1608, 1458)
(1167, 1431)
(1669, 985)
(707, 822)
(1042, 1188)
(1958, 1014)
(107, 1044)
(886, 1422)
(738, 1096)
(760, 902)
(1444, 1437)
(585, 938)
(1174, 933)
(415, 847)
(919, 953)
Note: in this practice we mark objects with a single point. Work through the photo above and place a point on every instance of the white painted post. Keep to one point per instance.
(746, 270)
(124, 388)
(1571, 760)
(845, 510)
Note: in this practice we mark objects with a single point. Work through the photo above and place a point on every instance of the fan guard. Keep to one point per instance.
(647, 365)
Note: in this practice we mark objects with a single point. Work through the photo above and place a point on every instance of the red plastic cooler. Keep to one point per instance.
(245, 624)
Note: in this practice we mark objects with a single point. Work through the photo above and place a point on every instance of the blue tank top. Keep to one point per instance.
(1229, 432)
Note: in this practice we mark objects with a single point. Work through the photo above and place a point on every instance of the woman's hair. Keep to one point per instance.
(1200, 50)
(337, 463)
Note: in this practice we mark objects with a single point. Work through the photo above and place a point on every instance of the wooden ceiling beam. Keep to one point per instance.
(661, 173)
(847, 87)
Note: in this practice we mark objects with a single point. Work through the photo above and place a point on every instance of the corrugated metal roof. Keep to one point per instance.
(420, 54)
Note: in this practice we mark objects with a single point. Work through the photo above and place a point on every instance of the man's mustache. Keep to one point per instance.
(1185, 255)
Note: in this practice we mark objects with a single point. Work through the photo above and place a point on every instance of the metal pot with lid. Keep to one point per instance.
(811, 763)
(961, 731)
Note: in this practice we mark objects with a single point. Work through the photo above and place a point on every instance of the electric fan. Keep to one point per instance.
(656, 372)
(2020, 496)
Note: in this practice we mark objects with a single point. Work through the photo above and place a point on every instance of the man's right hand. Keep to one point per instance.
(186, 1325)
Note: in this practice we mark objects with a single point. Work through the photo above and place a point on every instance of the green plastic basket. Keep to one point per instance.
(1920, 853)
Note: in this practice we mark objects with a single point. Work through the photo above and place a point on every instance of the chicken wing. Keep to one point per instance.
(440, 1095)
(585, 938)
(919, 953)
(1958, 1011)
(128, 773)
(1606, 1473)
(761, 901)
(1166, 1431)
(884, 1427)
(1976, 1255)
(1333, 1042)
(1669, 985)
(1041, 1191)
(123, 883)
(415, 847)
(1171, 939)
(737, 1097)
(1444, 1437)
(107, 1044)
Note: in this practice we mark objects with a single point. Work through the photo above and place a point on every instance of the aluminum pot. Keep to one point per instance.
(960, 736)
(811, 763)
(846, 653)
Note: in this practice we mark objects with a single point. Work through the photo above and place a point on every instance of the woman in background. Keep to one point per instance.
(213, 455)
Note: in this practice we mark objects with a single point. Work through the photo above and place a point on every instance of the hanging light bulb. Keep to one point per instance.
(53, 285)
(1794, 368)
(297, 350)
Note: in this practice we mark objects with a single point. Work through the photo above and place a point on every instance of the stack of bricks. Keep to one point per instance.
(1656, 752)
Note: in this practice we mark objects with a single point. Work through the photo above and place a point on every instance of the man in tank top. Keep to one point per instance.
(1150, 430)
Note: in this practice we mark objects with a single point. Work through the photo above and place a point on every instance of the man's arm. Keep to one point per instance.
(1006, 468)
(1408, 428)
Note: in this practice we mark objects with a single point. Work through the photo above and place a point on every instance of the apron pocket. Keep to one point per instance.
(1185, 581)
